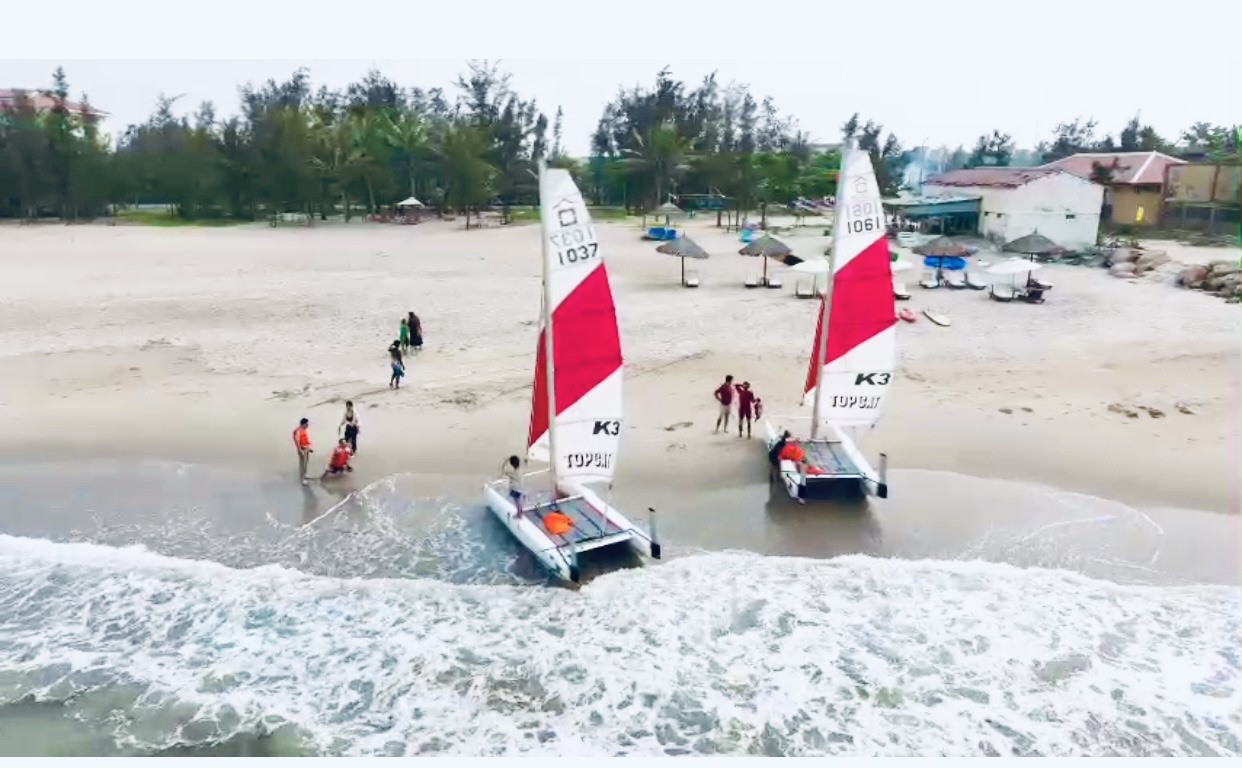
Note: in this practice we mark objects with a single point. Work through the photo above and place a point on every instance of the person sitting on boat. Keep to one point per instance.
(338, 464)
(510, 473)
(793, 452)
(775, 452)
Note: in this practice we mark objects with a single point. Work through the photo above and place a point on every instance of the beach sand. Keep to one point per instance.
(205, 346)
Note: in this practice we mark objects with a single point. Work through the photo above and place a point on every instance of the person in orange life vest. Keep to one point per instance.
(793, 452)
(301, 441)
(338, 464)
(724, 396)
(745, 407)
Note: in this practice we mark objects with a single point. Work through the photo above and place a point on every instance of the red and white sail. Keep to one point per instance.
(586, 370)
(861, 348)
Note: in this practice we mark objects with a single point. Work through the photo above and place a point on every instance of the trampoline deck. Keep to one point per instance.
(591, 527)
(830, 457)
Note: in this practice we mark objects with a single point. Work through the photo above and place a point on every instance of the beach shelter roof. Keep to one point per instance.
(943, 246)
(669, 209)
(410, 202)
(1034, 244)
(766, 246)
(683, 247)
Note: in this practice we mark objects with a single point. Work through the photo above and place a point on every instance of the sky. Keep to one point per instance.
(934, 73)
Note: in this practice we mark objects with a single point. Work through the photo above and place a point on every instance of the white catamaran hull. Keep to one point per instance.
(596, 525)
(841, 461)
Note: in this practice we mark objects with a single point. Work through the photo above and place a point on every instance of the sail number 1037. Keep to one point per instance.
(574, 245)
(584, 252)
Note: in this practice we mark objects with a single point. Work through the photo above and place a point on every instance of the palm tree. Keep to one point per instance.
(662, 156)
(468, 175)
(407, 134)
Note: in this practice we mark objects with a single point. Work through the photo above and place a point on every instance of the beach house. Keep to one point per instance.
(1013, 202)
(1133, 182)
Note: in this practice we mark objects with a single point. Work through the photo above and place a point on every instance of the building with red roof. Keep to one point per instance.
(1134, 181)
(1015, 202)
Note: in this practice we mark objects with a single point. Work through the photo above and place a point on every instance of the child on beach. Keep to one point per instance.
(398, 364)
(403, 335)
(302, 443)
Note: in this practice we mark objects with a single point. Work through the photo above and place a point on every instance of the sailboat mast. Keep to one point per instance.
(826, 304)
(549, 367)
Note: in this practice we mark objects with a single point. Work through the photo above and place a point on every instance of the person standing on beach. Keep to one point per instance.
(511, 473)
(349, 425)
(745, 401)
(724, 396)
(416, 331)
(403, 335)
(301, 442)
(398, 365)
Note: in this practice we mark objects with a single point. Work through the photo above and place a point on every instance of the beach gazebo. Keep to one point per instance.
(942, 248)
(1033, 245)
(685, 248)
(769, 248)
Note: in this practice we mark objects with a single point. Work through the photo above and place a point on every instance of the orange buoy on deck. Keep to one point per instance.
(557, 524)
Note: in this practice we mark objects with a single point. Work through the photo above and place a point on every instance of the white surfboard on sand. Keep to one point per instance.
(937, 318)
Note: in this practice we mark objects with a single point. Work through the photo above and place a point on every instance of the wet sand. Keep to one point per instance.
(168, 507)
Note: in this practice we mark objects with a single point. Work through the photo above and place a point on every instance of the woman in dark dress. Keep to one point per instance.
(416, 331)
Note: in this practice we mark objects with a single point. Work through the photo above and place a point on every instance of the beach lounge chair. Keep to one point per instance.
(752, 281)
(804, 289)
(955, 279)
(1003, 292)
(900, 292)
(977, 285)
(692, 279)
(1032, 295)
(775, 282)
(930, 281)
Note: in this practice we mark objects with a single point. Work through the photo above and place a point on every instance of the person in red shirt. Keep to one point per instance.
(745, 410)
(302, 443)
(724, 396)
(338, 464)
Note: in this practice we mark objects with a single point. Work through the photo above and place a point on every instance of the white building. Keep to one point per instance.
(1018, 201)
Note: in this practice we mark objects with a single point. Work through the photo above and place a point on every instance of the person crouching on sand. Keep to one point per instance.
(338, 464)
(510, 471)
(745, 407)
(301, 442)
(724, 396)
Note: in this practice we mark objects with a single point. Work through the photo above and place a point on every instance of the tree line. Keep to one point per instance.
(330, 152)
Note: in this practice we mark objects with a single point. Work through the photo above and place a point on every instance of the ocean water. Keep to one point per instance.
(392, 627)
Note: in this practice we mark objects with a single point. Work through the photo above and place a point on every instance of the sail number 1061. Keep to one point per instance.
(872, 224)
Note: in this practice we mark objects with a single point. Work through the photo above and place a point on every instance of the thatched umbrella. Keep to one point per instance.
(1033, 245)
(944, 247)
(686, 249)
(768, 247)
(669, 210)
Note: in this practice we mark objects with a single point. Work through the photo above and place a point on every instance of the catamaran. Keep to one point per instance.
(576, 409)
(855, 338)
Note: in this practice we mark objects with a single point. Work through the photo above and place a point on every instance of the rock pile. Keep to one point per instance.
(1222, 278)
(1134, 262)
